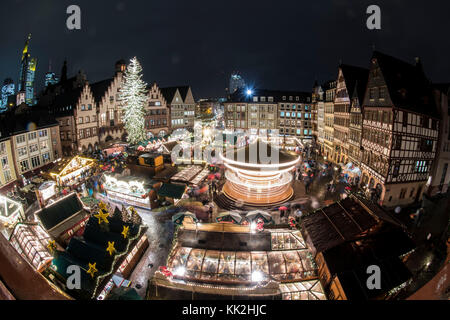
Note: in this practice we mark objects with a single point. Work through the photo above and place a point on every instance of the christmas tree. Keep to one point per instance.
(134, 96)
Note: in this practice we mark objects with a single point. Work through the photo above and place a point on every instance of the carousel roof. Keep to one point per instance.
(260, 154)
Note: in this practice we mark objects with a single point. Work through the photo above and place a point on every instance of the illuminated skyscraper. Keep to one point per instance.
(236, 82)
(50, 77)
(7, 90)
(27, 74)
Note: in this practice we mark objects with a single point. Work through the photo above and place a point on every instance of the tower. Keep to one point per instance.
(236, 82)
(7, 90)
(25, 86)
(50, 77)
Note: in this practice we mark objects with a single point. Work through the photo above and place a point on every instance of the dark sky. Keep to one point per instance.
(277, 44)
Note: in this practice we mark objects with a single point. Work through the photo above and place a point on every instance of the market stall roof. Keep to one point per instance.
(8, 208)
(22, 281)
(166, 174)
(187, 174)
(59, 211)
(303, 290)
(344, 221)
(62, 166)
(240, 266)
(171, 190)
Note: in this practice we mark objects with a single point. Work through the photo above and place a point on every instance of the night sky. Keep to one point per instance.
(277, 44)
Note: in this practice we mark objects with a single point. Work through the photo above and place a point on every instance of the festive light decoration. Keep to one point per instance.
(125, 232)
(51, 245)
(102, 217)
(111, 248)
(102, 206)
(134, 96)
(92, 269)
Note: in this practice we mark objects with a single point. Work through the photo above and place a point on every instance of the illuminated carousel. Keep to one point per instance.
(259, 174)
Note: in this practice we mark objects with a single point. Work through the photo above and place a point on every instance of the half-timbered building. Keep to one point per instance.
(400, 131)
(348, 76)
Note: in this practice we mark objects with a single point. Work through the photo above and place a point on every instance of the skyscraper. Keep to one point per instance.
(25, 84)
(7, 90)
(236, 82)
(50, 77)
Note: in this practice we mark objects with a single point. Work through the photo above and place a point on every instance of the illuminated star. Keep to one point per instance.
(51, 245)
(125, 232)
(102, 217)
(92, 269)
(102, 206)
(111, 248)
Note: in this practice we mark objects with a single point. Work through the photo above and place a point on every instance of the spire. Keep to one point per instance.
(25, 49)
(64, 72)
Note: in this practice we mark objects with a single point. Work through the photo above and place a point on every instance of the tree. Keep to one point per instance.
(134, 96)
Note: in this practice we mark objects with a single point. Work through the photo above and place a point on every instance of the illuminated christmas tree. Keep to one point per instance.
(134, 96)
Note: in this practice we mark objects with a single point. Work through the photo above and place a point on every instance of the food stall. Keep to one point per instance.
(70, 171)
(10, 211)
(46, 192)
(130, 190)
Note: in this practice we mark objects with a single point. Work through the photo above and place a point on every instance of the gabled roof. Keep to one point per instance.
(355, 80)
(169, 93)
(343, 221)
(100, 88)
(183, 91)
(59, 211)
(407, 84)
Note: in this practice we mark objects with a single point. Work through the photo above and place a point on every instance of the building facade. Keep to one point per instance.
(440, 171)
(269, 110)
(181, 103)
(400, 131)
(157, 121)
(328, 145)
(30, 140)
(348, 77)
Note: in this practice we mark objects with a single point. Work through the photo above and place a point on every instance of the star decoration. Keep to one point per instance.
(102, 217)
(125, 232)
(111, 248)
(92, 269)
(102, 206)
(51, 245)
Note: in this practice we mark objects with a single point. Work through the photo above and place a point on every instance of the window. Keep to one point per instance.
(35, 162)
(83, 107)
(372, 93)
(46, 157)
(382, 93)
(4, 163)
(405, 118)
(32, 136)
(80, 120)
(24, 166)
(7, 175)
(87, 119)
(33, 148)
(20, 139)
(94, 131)
(43, 133)
(44, 145)
(282, 114)
(255, 99)
(81, 133)
(22, 151)
(403, 193)
(89, 106)
(396, 169)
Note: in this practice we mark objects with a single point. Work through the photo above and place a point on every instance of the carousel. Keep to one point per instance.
(257, 181)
